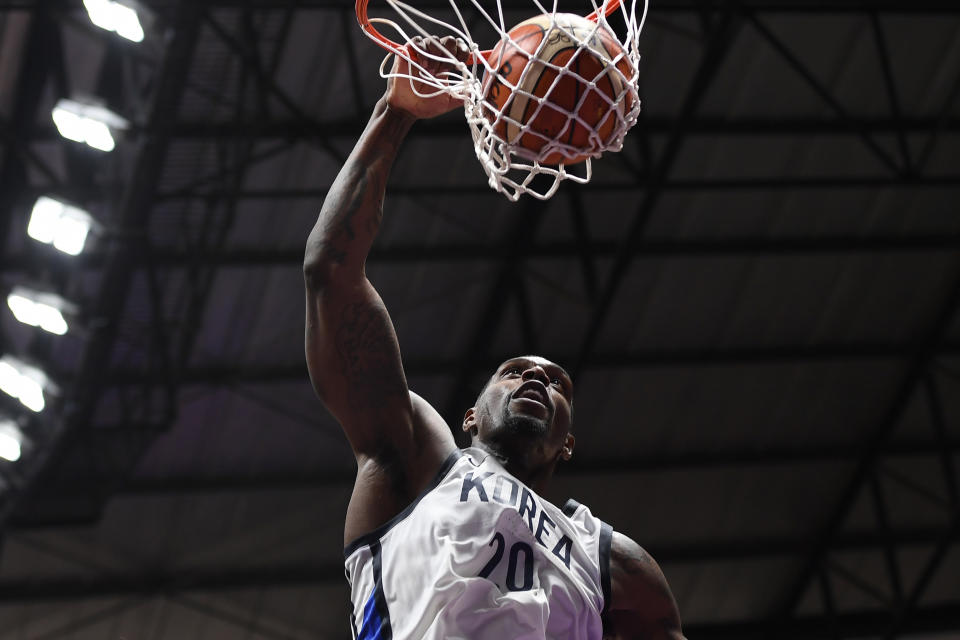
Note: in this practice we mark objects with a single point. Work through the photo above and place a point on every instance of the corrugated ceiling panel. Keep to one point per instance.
(732, 408)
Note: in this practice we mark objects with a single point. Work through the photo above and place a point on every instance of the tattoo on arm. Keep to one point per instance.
(339, 229)
(643, 608)
(367, 348)
(638, 562)
(338, 232)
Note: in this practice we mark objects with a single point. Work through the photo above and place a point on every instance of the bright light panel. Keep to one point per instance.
(72, 233)
(87, 123)
(44, 219)
(37, 309)
(22, 382)
(115, 17)
(70, 125)
(80, 129)
(97, 135)
(10, 441)
(57, 223)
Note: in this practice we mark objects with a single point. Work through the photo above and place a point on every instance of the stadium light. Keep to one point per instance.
(119, 17)
(11, 440)
(39, 309)
(92, 124)
(64, 226)
(24, 382)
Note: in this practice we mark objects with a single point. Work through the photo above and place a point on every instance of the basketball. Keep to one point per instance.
(556, 84)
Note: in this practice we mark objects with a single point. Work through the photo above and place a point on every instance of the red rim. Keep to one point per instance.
(390, 45)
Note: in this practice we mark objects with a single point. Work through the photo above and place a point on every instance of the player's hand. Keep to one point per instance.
(401, 96)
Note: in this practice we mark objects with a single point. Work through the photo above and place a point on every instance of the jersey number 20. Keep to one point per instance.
(513, 562)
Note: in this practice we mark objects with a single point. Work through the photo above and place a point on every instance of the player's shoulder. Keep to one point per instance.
(390, 479)
(429, 418)
(629, 553)
(433, 440)
(406, 464)
(636, 578)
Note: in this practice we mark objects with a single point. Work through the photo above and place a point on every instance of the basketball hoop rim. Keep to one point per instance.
(391, 46)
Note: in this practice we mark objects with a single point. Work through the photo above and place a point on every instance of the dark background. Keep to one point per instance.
(758, 297)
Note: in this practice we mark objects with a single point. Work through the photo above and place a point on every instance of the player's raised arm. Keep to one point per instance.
(351, 348)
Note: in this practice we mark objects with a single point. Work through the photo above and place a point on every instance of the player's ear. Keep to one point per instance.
(470, 421)
(568, 442)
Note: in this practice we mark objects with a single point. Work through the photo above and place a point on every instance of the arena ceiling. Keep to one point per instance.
(758, 298)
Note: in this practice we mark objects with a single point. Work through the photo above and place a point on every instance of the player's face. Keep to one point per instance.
(526, 405)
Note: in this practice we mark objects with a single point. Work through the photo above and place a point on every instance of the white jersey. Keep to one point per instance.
(479, 556)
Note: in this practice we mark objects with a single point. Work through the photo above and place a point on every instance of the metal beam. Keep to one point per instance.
(829, 601)
(933, 619)
(350, 129)
(824, 7)
(645, 249)
(151, 584)
(711, 59)
(907, 608)
(186, 485)
(454, 127)
(793, 61)
(30, 79)
(890, 84)
(519, 237)
(237, 373)
(633, 187)
(135, 207)
(907, 613)
(923, 352)
(18, 592)
(791, 6)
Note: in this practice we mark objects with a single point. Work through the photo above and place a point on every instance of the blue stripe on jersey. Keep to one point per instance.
(372, 625)
(376, 617)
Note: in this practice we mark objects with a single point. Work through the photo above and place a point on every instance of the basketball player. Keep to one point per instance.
(443, 543)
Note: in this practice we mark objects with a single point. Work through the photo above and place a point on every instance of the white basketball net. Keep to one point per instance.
(513, 169)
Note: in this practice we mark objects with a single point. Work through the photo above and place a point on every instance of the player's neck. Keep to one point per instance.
(518, 464)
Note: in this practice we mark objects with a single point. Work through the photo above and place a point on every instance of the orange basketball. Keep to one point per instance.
(529, 106)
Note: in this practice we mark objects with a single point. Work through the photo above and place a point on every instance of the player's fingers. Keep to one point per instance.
(451, 47)
(449, 44)
(402, 58)
(457, 48)
(437, 52)
(414, 49)
(432, 56)
(437, 55)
